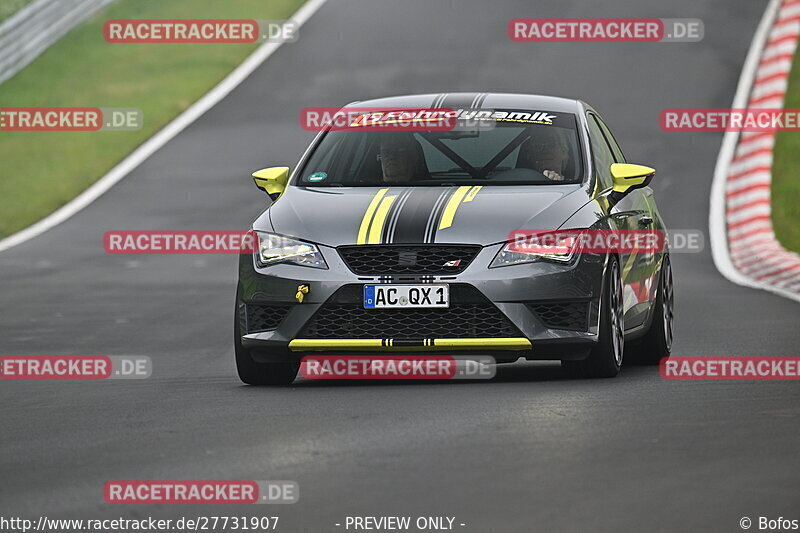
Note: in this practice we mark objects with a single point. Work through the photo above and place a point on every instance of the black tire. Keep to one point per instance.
(254, 373)
(657, 342)
(605, 359)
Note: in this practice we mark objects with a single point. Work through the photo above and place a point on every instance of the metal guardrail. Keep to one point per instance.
(34, 28)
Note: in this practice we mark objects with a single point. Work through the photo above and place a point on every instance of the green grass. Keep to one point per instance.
(786, 173)
(9, 7)
(41, 171)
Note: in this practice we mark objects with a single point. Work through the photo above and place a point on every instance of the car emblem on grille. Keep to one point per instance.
(453, 263)
(407, 258)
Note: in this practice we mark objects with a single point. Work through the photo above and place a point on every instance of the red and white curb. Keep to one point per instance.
(742, 238)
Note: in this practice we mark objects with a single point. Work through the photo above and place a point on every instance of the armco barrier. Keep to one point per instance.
(30, 31)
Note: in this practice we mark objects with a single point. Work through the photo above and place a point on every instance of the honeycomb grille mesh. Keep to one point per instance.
(265, 317)
(470, 315)
(395, 259)
(459, 321)
(563, 315)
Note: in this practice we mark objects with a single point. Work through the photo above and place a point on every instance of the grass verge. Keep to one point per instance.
(41, 171)
(786, 173)
(9, 7)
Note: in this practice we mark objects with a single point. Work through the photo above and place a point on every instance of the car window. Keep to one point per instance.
(619, 157)
(514, 148)
(602, 157)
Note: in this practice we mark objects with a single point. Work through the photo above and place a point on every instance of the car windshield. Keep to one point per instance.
(520, 150)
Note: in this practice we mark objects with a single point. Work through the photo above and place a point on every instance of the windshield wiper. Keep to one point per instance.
(450, 171)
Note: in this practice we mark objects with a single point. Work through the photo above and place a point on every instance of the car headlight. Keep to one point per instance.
(549, 246)
(274, 249)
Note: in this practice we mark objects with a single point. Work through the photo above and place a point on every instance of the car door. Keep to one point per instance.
(634, 211)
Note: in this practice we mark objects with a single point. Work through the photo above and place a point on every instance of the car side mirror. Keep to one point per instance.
(272, 180)
(628, 177)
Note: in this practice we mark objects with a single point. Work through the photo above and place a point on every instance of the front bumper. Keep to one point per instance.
(516, 292)
(391, 345)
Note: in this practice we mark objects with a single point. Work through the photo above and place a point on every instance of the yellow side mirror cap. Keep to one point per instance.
(626, 175)
(272, 180)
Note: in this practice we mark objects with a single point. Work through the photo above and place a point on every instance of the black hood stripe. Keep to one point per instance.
(461, 100)
(437, 102)
(436, 214)
(474, 103)
(395, 214)
(412, 220)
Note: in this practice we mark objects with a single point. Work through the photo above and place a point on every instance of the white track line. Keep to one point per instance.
(209, 100)
(717, 209)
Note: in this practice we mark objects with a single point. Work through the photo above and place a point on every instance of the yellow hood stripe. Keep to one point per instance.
(363, 230)
(376, 228)
(452, 206)
(473, 193)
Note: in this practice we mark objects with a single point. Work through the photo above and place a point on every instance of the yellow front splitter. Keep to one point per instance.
(505, 343)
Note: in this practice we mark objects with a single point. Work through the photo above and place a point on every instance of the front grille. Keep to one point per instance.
(262, 317)
(563, 315)
(469, 315)
(401, 259)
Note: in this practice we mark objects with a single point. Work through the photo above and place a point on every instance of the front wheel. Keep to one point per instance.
(605, 359)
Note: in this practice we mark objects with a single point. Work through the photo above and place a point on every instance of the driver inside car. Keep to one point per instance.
(545, 151)
(398, 157)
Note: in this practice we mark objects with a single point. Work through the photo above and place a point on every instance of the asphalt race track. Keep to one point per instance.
(528, 451)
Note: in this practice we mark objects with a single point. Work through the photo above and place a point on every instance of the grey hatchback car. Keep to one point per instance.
(388, 241)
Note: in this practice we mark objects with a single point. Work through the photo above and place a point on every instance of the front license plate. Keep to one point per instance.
(406, 296)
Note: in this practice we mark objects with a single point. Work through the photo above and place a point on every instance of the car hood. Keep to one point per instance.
(402, 215)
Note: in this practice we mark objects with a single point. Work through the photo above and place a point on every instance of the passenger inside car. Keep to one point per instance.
(546, 152)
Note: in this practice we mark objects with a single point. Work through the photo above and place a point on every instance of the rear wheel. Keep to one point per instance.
(254, 373)
(605, 359)
(657, 342)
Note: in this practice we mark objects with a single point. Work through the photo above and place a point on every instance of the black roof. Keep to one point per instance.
(477, 101)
